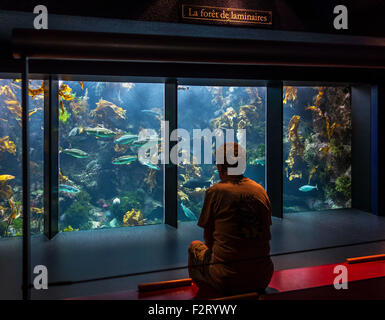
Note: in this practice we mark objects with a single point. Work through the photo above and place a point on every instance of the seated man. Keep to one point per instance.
(236, 219)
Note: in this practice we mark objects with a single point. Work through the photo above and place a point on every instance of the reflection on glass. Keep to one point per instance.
(207, 107)
(11, 219)
(316, 148)
(101, 182)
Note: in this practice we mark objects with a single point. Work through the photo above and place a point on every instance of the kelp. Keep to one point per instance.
(36, 92)
(7, 145)
(150, 179)
(290, 94)
(297, 148)
(64, 114)
(106, 109)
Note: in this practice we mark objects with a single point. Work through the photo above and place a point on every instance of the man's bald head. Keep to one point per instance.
(232, 157)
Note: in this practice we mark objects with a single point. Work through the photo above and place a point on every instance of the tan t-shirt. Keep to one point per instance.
(239, 212)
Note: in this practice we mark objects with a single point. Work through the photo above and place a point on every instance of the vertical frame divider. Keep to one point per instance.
(170, 169)
(51, 179)
(374, 148)
(26, 185)
(274, 147)
(377, 149)
(362, 152)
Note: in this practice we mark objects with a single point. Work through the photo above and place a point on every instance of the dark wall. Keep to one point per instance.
(365, 17)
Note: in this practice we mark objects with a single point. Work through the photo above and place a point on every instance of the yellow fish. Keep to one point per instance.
(37, 210)
(33, 111)
(6, 177)
(81, 85)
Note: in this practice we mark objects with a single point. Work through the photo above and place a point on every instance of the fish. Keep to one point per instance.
(195, 183)
(37, 210)
(259, 161)
(6, 177)
(67, 188)
(73, 132)
(146, 142)
(76, 153)
(81, 85)
(307, 188)
(124, 160)
(188, 213)
(153, 112)
(150, 165)
(99, 132)
(126, 138)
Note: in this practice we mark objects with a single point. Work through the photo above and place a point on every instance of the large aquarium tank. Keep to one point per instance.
(102, 182)
(316, 148)
(11, 213)
(213, 107)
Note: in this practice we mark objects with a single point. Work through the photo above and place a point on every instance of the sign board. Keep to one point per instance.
(219, 15)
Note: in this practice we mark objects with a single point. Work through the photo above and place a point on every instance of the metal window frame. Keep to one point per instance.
(274, 152)
(26, 263)
(200, 58)
(51, 157)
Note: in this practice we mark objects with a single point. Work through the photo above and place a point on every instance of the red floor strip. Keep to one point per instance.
(302, 278)
(283, 281)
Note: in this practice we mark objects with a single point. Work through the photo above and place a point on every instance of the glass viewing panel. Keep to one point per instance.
(102, 184)
(316, 148)
(209, 107)
(11, 218)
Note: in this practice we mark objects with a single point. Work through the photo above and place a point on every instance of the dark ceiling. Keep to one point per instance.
(365, 17)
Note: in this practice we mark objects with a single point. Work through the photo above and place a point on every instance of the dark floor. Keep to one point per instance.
(94, 254)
